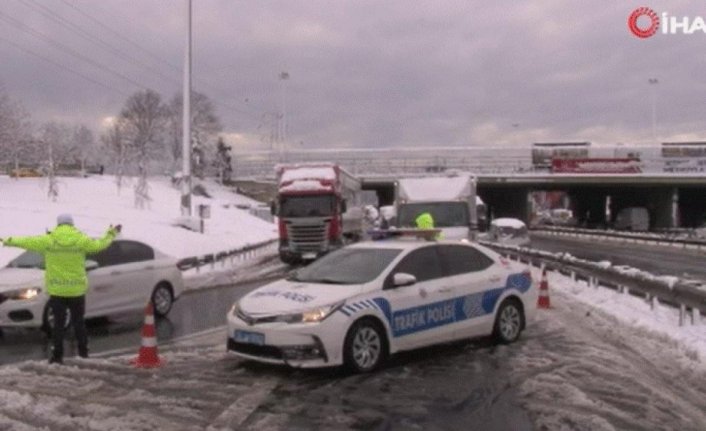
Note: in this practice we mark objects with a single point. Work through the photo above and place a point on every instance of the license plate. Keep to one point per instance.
(249, 337)
(309, 256)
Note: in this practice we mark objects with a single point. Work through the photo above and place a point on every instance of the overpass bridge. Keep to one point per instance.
(671, 185)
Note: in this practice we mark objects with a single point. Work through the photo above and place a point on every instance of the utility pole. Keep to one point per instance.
(653, 86)
(283, 76)
(186, 121)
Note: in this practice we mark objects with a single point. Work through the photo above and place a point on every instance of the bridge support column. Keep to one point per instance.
(665, 208)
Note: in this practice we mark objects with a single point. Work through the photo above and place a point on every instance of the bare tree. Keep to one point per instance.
(205, 127)
(16, 143)
(114, 141)
(85, 144)
(60, 138)
(144, 121)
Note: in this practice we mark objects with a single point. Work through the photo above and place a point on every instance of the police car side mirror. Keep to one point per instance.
(91, 265)
(403, 279)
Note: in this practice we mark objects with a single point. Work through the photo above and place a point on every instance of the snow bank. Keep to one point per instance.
(96, 203)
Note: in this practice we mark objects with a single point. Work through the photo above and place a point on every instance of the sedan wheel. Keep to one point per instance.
(364, 347)
(509, 322)
(162, 299)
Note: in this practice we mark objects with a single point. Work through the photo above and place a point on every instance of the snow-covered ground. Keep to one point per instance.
(590, 386)
(95, 203)
(201, 387)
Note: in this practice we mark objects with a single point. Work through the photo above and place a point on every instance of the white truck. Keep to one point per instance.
(451, 200)
(632, 218)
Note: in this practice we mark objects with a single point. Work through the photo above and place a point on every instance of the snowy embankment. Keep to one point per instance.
(95, 203)
(637, 312)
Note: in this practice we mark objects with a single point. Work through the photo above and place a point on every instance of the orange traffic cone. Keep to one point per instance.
(543, 298)
(148, 357)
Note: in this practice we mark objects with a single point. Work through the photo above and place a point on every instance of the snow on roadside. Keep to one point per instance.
(95, 203)
(636, 312)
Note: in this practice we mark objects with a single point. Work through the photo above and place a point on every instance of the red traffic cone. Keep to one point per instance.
(543, 298)
(148, 357)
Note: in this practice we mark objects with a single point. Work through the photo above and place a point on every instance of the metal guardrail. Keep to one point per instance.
(666, 238)
(238, 254)
(689, 299)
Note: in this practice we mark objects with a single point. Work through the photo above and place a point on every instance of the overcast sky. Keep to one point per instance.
(367, 73)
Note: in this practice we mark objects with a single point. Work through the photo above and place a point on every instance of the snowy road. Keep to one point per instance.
(659, 260)
(575, 369)
(195, 311)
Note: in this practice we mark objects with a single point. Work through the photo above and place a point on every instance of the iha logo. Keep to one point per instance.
(651, 23)
(647, 31)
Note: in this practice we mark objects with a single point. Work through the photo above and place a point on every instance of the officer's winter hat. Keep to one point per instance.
(65, 219)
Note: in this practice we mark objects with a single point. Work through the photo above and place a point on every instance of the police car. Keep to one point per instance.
(361, 303)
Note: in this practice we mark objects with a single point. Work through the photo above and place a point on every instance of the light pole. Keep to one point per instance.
(653, 85)
(283, 76)
(186, 122)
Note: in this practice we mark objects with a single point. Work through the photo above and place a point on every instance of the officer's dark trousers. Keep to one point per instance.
(76, 307)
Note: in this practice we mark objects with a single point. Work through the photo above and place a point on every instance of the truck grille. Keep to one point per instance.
(308, 237)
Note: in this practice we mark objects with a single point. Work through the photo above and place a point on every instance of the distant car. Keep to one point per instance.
(362, 303)
(509, 231)
(25, 173)
(123, 277)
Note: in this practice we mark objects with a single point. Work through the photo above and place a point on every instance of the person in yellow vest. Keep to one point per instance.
(426, 221)
(64, 250)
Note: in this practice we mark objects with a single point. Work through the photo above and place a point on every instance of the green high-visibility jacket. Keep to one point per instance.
(424, 221)
(64, 250)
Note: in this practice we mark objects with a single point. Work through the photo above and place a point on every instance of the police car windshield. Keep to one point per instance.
(28, 259)
(348, 266)
(445, 214)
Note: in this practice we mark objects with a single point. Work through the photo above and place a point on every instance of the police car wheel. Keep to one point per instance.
(49, 319)
(365, 347)
(162, 299)
(508, 322)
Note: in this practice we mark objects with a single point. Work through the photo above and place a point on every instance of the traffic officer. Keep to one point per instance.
(64, 250)
(426, 221)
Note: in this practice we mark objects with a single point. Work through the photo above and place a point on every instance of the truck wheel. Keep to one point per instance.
(365, 348)
(288, 259)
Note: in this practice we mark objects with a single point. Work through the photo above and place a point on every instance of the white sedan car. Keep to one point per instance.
(356, 306)
(124, 276)
(509, 231)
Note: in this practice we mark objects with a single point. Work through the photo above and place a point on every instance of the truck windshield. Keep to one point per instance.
(445, 214)
(347, 266)
(307, 206)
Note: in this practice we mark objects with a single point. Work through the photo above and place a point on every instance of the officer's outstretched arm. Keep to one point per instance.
(38, 243)
(92, 246)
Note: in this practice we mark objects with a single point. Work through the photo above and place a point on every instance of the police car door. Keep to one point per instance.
(419, 312)
(475, 281)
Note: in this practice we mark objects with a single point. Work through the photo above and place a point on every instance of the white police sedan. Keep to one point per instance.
(357, 305)
(122, 277)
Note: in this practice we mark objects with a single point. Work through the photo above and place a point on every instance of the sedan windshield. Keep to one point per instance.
(28, 259)
(306, 206)
(348, 266)
(445, 214)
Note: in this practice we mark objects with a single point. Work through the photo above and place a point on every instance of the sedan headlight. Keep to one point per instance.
(311, 316)
(20, 294)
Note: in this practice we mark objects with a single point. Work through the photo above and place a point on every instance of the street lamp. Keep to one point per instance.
(283, 76)
(653, 85)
